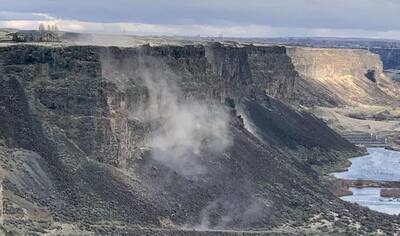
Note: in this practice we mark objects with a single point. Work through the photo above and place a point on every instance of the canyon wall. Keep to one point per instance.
(389, 56)
(167, 136)
(346, 76)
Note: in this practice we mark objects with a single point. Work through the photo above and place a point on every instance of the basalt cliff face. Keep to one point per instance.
(109, 140)
(343, 76)
(389, 56)
(314, 77)
(351, 90)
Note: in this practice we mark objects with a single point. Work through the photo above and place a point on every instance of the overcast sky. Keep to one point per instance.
(238, 18)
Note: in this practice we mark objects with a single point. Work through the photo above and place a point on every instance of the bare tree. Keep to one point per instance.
(42, 27)
(55, 28)
(48, 28)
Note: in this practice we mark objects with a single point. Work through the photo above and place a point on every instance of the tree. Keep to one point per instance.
(42, 27)
(48, 28)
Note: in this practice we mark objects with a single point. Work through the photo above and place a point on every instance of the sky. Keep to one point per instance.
(228, 18)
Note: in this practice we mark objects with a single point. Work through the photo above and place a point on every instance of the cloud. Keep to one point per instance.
(372, 15)
(233, 18)
(185, 133)
(130, 28)
(10, 15)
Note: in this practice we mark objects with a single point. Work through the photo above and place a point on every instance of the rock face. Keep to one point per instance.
(321, 77)
(95, 136)
(345, 76)
(389, 56)
(351, 93)
(272, 70)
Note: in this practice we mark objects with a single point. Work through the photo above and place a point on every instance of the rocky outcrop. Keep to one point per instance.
(344, 76)
(390, 57)
(96, 136)
(321, 77)
(273, 71)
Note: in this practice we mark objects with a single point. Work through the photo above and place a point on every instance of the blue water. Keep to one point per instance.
(379, 164)
(370, 197)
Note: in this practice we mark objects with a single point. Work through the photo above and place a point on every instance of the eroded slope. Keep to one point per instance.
(94, 138)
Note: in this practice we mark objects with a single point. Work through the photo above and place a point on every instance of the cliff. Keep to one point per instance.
(351, 91)
(96, 138)
(274, 72)
(343, 76)
(389, 56)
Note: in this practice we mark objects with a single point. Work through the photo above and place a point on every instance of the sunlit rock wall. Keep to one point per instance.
(347, 76)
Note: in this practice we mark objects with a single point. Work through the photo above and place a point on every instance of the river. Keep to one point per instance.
(379, 165)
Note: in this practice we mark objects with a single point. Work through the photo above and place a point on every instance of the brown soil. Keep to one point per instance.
(393, 192)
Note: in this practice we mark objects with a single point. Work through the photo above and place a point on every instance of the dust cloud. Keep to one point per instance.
(185, 131)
